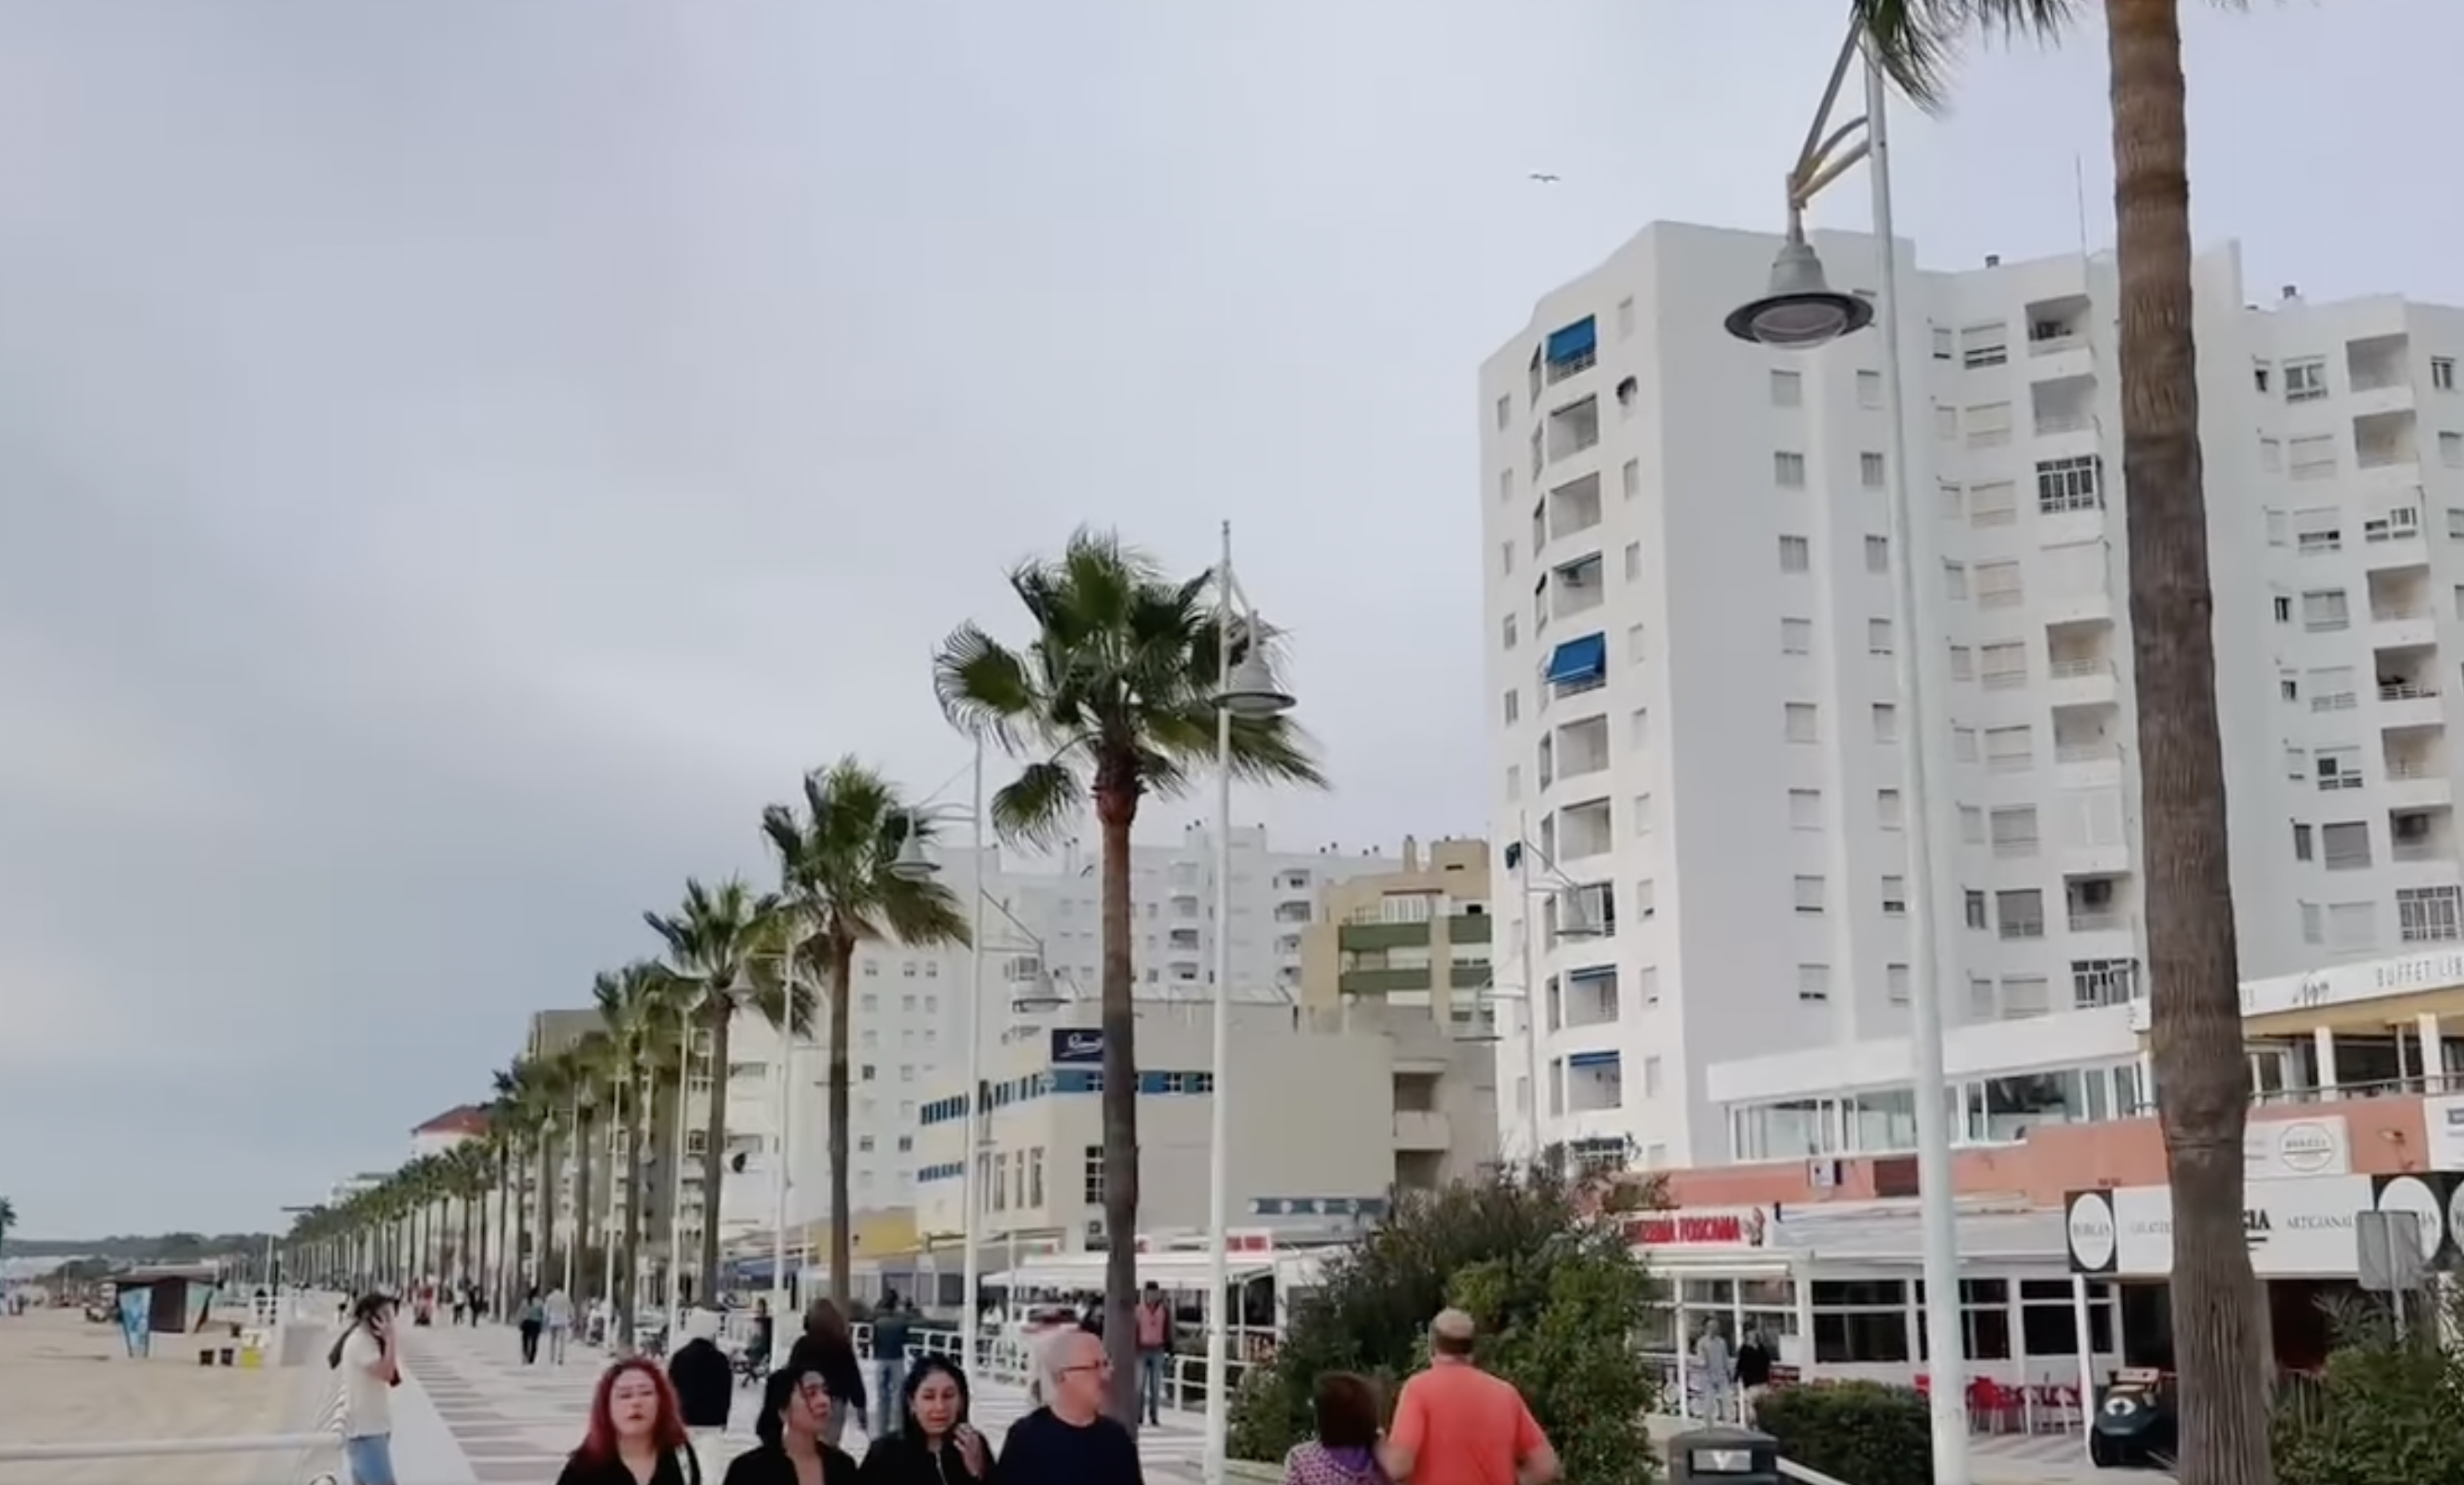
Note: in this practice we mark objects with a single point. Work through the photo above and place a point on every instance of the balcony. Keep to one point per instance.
(2408, 685)
(2377, 372)
(1572, 429)
(1470, 974)
(2415, 766)
(1382, 980)
(2087, 744)
(1568, 352)
(1582, 747)
(1470, 928)
(2103, 982)
(1376, 937)
(1589, 998)
(2079, 669)
(1574, 508)
(2064, 408)
(2058, 328)
(2387, 441)
(1595, 1082)
(2074, 583)
(2402, 610)
(1576, 587)
(2416, 836)
(2094, 905)
(1422, 1129)
(1584, 830)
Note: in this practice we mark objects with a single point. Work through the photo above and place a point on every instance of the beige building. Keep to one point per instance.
(1414, 937)
(1333, 1110)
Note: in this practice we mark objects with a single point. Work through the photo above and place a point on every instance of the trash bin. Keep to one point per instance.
(1723, 1456)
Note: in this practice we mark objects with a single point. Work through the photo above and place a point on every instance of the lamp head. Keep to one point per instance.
(1802, 310)
(914, 863)
(1252, 691)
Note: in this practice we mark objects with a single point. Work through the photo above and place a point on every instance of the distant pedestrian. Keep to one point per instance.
(370, 1371)
(1717, 1367)
(827, 1349)
(794, 1427)
(704, 1383)
(636, 1435)
(1753, 1373)
(531, 1319)
(1069, 1441)
(892, 1324)
(1456, 1425)
(1345, 1451)
(555, 1318)
(1155, 1348)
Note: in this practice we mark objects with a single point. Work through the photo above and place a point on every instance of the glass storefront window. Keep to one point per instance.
(1882, 1119)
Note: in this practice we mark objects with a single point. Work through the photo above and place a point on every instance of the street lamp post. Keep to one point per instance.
(1247, 688)
(1575, 921)
(1802, 312)
(779, 1180)
(915, 865)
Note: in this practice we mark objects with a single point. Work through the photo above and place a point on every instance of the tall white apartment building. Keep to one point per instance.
(1692, 631)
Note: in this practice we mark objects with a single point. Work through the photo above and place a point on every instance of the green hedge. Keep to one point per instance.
(1861, 1431)
(2388, 1411)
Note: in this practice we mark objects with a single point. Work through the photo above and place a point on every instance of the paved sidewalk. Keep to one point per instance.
(515, 1424)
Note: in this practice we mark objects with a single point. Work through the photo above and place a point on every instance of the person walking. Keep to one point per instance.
(636, 1434)
(1753, 1372)
(370, 1371)
(531, 1319)
(892, 1324)
(704, 1383)
(1068, 1440)
(1345, 1451)
(757, 1345)
(794, 1449)
(556, 1314)
(827, 1350)
(1155, 1348)
(1456, 1425)
(934, 1443)
(1718, 1369)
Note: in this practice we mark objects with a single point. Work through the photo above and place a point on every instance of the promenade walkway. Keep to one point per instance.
(514, 1424)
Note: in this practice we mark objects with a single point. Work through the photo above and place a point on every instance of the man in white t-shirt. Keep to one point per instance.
(369, 1370)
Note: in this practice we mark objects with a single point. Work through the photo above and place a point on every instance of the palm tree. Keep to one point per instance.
(713, 939)
(588, 1065)
(636, 1006)
(1110, 700)
(838, 891)
(2201, 1081)
(8, 1220)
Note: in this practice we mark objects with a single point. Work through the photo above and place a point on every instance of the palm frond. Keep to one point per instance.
(1040, 804)
(1918, 41)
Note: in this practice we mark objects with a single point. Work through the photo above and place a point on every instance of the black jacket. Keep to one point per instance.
(905, 1459)
(677, 1467)
(769, 1465)
(705, 1383)
(834, 1363)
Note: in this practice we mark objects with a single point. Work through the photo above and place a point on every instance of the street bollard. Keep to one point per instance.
(1723, 1455)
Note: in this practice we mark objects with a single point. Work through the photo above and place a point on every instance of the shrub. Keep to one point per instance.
(2384, 1411)
(1537, 1273)
(1853, 1431)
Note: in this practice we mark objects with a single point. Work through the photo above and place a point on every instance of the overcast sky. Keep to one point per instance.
(458, 460)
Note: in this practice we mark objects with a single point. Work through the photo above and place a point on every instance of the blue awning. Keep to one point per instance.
(1573, 343)
(1592, 1061)
(1577, 661)
(1593, 971)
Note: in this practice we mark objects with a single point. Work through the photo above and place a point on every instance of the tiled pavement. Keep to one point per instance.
(515, 1424)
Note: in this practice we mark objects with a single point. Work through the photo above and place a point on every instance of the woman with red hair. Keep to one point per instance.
(637, 1432)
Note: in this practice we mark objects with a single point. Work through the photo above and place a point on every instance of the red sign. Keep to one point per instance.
(1676, 1229)
(1249, 1240)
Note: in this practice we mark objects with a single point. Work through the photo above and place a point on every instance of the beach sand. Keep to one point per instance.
(66, 1380)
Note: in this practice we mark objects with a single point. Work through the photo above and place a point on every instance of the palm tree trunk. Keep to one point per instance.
(542, 1265)
(514, 1219)
(842, 1204)
(713, 1150)
(1116, 807)
(2202, 1079)
(630, 1279)
(583, 1156)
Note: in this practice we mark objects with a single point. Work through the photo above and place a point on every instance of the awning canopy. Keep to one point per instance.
(1590, 1059)
(1575, 341)
(1578, 661)
(1172, 1270)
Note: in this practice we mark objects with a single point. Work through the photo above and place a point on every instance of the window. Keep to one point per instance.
(2020, 913)
(1951, 499)
(2024, 995)
(1993, 504)
(1984, 345)
(1796, 554)
(1974, 902)
(1871, 470)
(1963, 662)
(2069, 485)
(2305, 381)
(1869, 389)
(2451, 451)
(2442, 373)
(1878, 636)
(1805, 809)
(1963, 744)
(1989, 424)
(1860, 1321)
(1508, 632)
(1092, 1181)
(1643, 815)
(1514, 707)
(1505, 560)
(1633, 562)
(1800, 718)
(1624, 318)
(1888, 812)
(1809, 894)
(2346, 846)
(1954, 581)
(1645, 899)
(2014, 830)
(1505, 410)
(1946, 423)
(2300, 842)
(1795, 635)
(2314, 457)
(2337, 769)
(1971, 824)
(1631, 478)
(1895, 897)
(2331, 688)
(1513, 783)
(2270, 455)
(1814, 982)
(2317, 531)
(2004, 666)
(2283, 604)
(1788, 469)
(1895, 979)
(1878, 553)
(1998, 585)
(1638, 731)
(1651, 1076)
(1942, 342)
(2427, 914)
(1886, 722)
(2010, 749)
(2352, 925)
(1787, 389)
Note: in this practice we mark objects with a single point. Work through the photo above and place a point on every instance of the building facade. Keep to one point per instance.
(1415, 936)
(1693, 636)
(1332, 1111)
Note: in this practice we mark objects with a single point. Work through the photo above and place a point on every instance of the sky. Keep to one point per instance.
(458, 461)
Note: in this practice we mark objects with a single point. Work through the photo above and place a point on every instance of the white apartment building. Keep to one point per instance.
(1331, 1110)
(1692, 632)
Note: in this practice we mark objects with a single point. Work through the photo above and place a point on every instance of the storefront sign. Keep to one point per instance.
(2295, 1227)
(1076, 1045)
(2284, 1148)
(2442, 1127)
(1744, 1226)
(2341, 985)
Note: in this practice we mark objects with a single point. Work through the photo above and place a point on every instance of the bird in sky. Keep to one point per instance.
(1544, 178)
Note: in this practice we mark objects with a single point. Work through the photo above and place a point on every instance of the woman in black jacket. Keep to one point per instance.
(827, 1349)
(796, 1410)
(935, 1445)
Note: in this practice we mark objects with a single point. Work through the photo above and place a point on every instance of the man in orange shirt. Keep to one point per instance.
(1456, 1425)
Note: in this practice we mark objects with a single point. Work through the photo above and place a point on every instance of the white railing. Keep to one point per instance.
(2316, 543)
(2378, 378)
(2077, 670)
(2381, 458)
(2050, 424)
(2418, 851)
(2414, 768)
(2334, 701)
(2086, 752)
(2408, 690)
(2394, 613)
(2054, 346)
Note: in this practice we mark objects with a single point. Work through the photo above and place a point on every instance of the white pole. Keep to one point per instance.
(970, 1292)
(580, 1155)
(2086, 1336)
(1530, 975)
(616, 1131)
(1218, 1134)
(1947, 1356)
(778, 1180)
(677, 1189)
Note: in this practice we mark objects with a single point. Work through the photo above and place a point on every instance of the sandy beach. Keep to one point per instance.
(68, 1380)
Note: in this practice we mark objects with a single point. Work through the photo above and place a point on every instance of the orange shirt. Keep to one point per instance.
(1464, 1427)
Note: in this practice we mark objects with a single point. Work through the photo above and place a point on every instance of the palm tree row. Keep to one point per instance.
(1109, 702)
